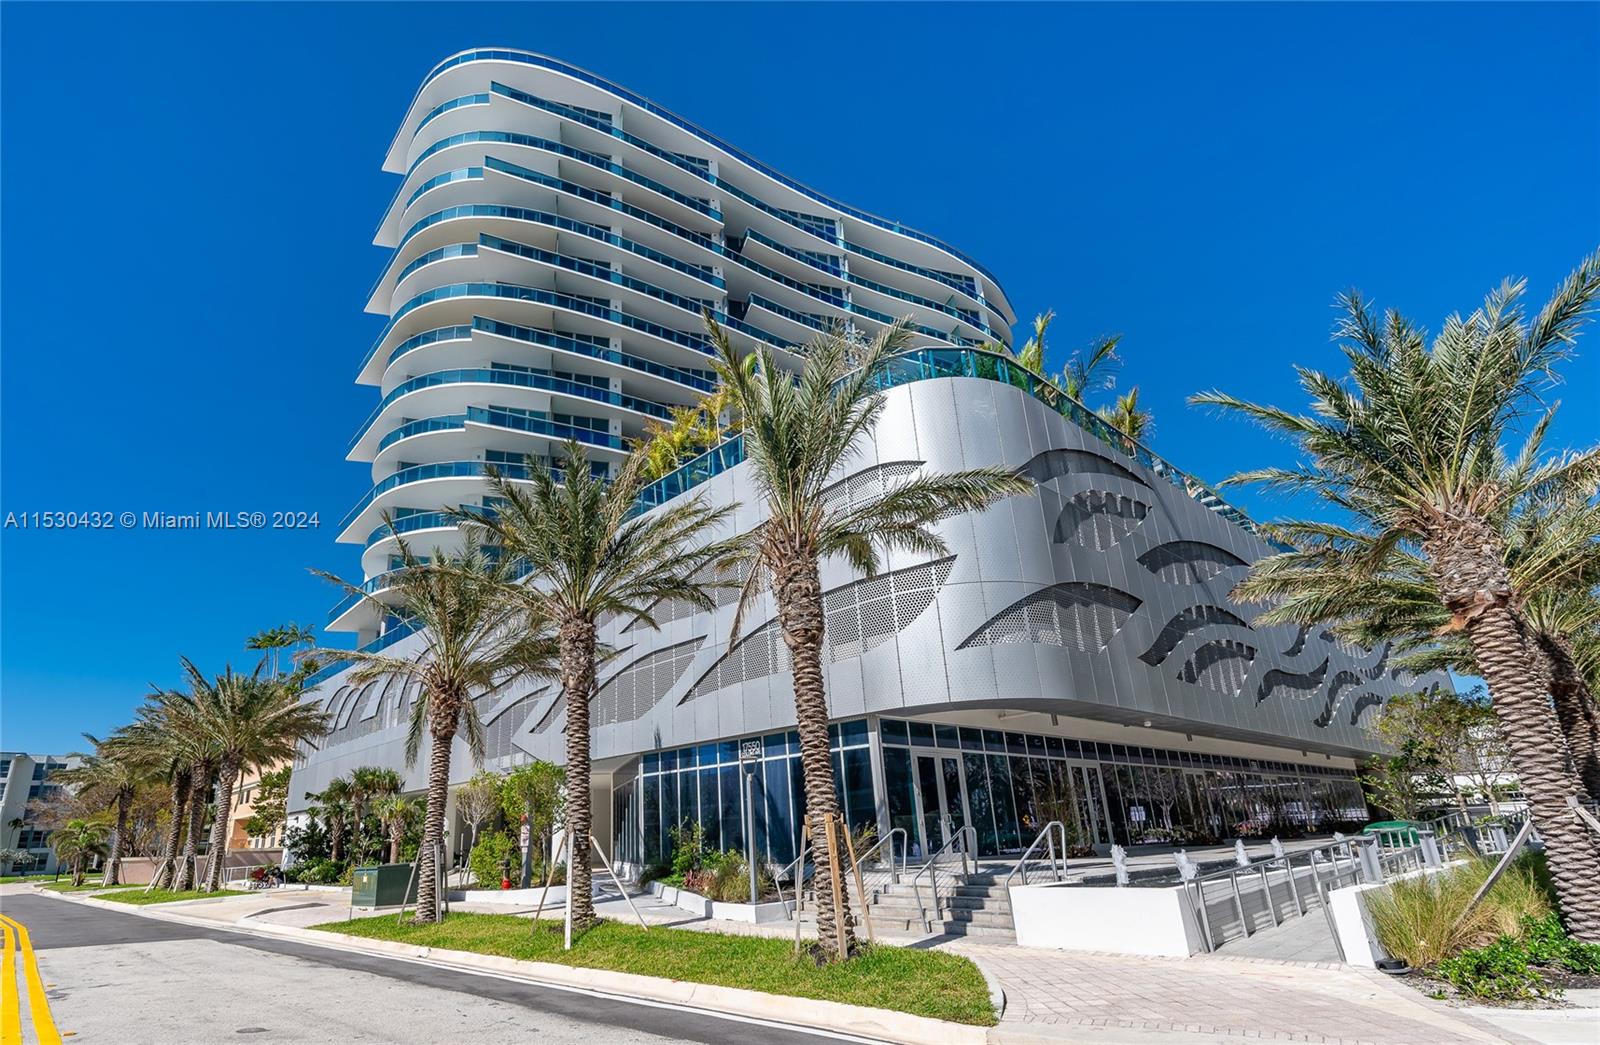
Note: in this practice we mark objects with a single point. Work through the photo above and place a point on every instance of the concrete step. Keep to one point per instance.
(906, 901)
(944, 928)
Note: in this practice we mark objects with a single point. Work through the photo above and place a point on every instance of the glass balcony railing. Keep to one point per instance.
(451, 470)
(700, 380)
(430, 337)
(604, 199)
(514, 378)
(591, 159)
(388, 638)
(542, 426)
(556, 221)
(453, 422)
(599, 308)
(444, 107)
(928, 363)
(463, 174)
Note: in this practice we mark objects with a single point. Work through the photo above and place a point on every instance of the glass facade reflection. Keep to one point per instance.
(933, 779)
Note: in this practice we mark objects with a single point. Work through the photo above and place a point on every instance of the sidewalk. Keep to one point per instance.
(1061, 997)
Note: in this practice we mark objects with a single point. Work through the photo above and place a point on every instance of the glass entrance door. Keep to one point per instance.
(941, 798)
(1090, 795)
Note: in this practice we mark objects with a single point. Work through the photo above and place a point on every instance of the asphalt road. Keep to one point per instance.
(125, 979)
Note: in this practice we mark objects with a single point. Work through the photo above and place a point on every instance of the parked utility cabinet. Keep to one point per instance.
(383, 886)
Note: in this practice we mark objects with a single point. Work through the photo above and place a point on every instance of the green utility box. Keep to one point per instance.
(383, 886)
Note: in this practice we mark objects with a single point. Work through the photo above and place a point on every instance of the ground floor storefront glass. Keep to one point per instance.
(933, 780)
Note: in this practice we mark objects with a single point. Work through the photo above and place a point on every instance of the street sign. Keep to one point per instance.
(749, 750)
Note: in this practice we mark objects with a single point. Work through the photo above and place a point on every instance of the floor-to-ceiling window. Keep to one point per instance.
(707, 784)
(1013, 783)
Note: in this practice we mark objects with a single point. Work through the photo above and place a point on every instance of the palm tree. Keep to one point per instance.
(1128, 417)
(334, 807)
(111, 776)
(166, 734)
(397, 813)
(75, 843)
(474, 639)
(590, 553)
(366, 784)
(1552, 551)
(251, 723)
(798, 434)
(1412, 447)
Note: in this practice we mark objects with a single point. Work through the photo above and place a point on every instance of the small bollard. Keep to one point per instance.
(1277, 848)
(1119, 862)
(1430, 849)
(1240, 857)
(1371, 867)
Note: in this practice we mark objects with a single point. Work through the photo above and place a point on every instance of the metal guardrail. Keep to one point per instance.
(956, 845)
(1057, 858)
(1326, 865)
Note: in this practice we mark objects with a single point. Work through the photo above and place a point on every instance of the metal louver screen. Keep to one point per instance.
(1076, 615)
(1278, 684)
(1096, 519)
(1221, 665)
(634, 690)
(1188, 562)
(858, 616)
(870, 482)
(1192, 619)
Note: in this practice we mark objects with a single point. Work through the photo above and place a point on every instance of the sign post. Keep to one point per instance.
(750, 760)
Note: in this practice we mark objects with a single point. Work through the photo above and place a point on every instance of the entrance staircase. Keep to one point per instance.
(977, 906)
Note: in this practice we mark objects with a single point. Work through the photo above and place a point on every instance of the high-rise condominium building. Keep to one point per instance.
(1073, 655)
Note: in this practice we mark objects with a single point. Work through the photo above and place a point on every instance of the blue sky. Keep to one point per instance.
(190, 194)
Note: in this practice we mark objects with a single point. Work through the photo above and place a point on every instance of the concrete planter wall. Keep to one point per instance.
(704, 907)
(511, 897)
(1130, 920)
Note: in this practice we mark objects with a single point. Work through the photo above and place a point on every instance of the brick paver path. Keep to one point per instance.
(1212, 998)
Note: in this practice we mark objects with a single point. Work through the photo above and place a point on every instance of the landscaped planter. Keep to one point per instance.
(512, 897)
(760, 913)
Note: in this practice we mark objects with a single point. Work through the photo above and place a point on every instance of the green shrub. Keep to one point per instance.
(688, 848)
(318, 872)
(1548, 944)
(495, 853)
(1499, 971)
(1420, 919)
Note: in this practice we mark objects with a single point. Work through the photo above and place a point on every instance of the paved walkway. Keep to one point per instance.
(1206, 998)
(1304, 938)
(1060, 996)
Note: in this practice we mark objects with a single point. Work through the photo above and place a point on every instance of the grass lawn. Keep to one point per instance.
(141, 898)
(66, 886)
(12, 879)
(924, 983)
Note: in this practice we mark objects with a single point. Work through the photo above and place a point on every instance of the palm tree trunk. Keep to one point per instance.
(1575, 710)
(577, 642)
(798, 590)
(199, 784)
(168, 871)
(441, 736)
(1501, 648)
(119, 831)
(395, 834)
(227, 773)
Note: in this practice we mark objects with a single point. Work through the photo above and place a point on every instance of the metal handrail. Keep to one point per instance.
(1194, 888)
(1058, 862)
(930, 869)
(798, 864)
(905, 853)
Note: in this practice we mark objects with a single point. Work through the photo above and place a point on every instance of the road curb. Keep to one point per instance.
(832, 1017)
